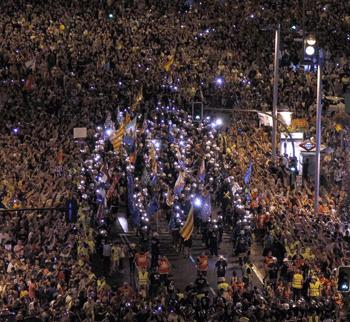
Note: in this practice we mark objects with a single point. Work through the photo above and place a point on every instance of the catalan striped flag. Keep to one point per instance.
(152, 159)
(179, 184)
(117, 137)
(169, 63)
(187, 229)
(137, 100)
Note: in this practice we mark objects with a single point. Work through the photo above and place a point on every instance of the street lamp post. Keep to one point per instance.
(314, 55)
(275, 92)
(318, 136)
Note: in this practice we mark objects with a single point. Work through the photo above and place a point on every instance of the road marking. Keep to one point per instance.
(192, 259)
(212, 290)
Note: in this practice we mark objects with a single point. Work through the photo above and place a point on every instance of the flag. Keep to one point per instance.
(201, 172)
(169, 63)
(117, 137)
(248, 173)
(152, 159)
(206, 209)
(187, 229)
(137, 100)
(180, 183)
(112, 187)
(169, 198)
(152, 207)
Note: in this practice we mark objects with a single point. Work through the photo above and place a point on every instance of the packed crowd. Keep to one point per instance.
(72, 63)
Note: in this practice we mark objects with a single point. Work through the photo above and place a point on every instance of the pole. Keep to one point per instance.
(275, 92)
(303, 19)
(318, 137)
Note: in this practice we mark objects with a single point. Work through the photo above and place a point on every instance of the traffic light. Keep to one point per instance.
(310, 50)
(197, 111)
(343, 279)
(293, 165)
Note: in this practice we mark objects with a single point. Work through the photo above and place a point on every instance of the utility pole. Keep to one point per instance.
(275, 92)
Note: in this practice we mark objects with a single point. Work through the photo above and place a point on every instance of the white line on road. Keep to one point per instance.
(192, 259)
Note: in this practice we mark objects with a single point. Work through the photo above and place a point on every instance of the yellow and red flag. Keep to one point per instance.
(187, 229)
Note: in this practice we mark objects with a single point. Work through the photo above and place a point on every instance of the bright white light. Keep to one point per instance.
(219, 81)
(219, 122)
(310, 50)
(109, 132)
(311, 41)
(294, 27)
(197, 202)
(197, 117)
(156, 143)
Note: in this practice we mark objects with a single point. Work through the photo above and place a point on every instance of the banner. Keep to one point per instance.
(80, 132)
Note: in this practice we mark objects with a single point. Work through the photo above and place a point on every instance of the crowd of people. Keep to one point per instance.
(67, 64)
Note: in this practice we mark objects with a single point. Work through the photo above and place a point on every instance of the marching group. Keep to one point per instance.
(67, 64)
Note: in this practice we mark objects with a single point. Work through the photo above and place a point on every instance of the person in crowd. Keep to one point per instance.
(72, 64)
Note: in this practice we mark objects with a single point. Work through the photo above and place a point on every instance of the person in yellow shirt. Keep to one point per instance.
(314, 288)
(297, 284)
(143, 281)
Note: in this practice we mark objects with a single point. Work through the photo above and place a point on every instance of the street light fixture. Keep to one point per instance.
(311, 40)
(310, 50)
